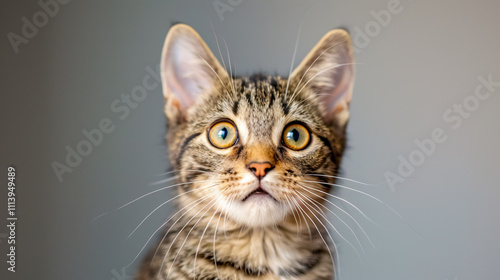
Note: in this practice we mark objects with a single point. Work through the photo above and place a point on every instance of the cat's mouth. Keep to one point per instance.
(258, 193)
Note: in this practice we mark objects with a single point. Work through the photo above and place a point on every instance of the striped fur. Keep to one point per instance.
(217, 234)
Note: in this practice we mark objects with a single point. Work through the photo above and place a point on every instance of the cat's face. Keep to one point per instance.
(252, 148)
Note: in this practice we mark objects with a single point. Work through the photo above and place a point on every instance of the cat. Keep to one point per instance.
(256, 158)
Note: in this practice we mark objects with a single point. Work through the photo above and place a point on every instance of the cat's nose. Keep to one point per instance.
(260, 169)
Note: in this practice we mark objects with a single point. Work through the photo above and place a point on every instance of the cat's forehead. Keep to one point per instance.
(259, 106)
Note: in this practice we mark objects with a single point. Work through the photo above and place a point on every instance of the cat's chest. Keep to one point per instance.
(269, 252)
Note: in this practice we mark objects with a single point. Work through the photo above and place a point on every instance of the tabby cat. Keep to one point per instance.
(255, 158)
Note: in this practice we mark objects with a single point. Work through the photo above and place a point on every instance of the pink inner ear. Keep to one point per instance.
(185, 76)
(341, 94)
(336, 97)
(189, 68)
(176, 91)
(329, 72)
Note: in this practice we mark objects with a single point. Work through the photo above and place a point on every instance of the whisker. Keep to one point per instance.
(225, 215)
(229, 62)
(166, 233)
(299, 230)
(176, 177)
(160, 227)
(293, 58)
(321, 236)
(305, 220)
(211, 68)
(218, 46)
(323, 70)
(187, 236)
(309, 207)
(168, 172)
(164, 180)
(175, 197)
(350, 229)
(173, 241)
(215, 234)
(98, 217)
(222, 58)
(345, 212)
(173, 171)
(315, 207)
(364, 193)
(201, 238)
(164, 188)
(342, 178)
(342, 199)
(150, 193)
(314, 62)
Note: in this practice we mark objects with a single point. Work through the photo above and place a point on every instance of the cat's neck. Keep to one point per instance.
(273, 247)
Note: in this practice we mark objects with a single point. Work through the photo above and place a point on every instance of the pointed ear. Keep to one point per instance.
(328, 72)
(188, 68)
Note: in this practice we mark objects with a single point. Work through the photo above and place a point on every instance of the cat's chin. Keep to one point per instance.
(258, 210)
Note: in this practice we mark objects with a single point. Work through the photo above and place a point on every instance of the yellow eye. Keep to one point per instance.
(222, 135)
(296, 136)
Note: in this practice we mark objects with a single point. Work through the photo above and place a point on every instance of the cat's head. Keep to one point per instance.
(253, 147)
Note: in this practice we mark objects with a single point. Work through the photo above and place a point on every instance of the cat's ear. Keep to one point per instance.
(328, 72)
(188, 68)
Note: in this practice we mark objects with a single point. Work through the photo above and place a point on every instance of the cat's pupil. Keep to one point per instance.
(223, 133)
(294, 134)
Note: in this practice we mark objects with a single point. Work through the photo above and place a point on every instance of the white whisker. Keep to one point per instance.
(314, 62)
(342, 178)
(150, 193)
(173, 241)
(293, 58)
(175, 197)
(303, 217)
(187, 236)
(160, 227)
(342, 199)
(229, 62)
(313, 206)
(343, 211)
(323, 70)
(199, 243)
(321, 236)
(364, 193)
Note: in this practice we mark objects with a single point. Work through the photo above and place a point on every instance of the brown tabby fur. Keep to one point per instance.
(217, 236)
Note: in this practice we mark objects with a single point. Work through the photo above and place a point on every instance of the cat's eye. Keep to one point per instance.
(223, 135)
(296, 136)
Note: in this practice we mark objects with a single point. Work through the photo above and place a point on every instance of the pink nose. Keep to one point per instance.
(260, 169)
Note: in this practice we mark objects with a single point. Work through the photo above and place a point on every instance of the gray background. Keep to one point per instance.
(427, 58)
